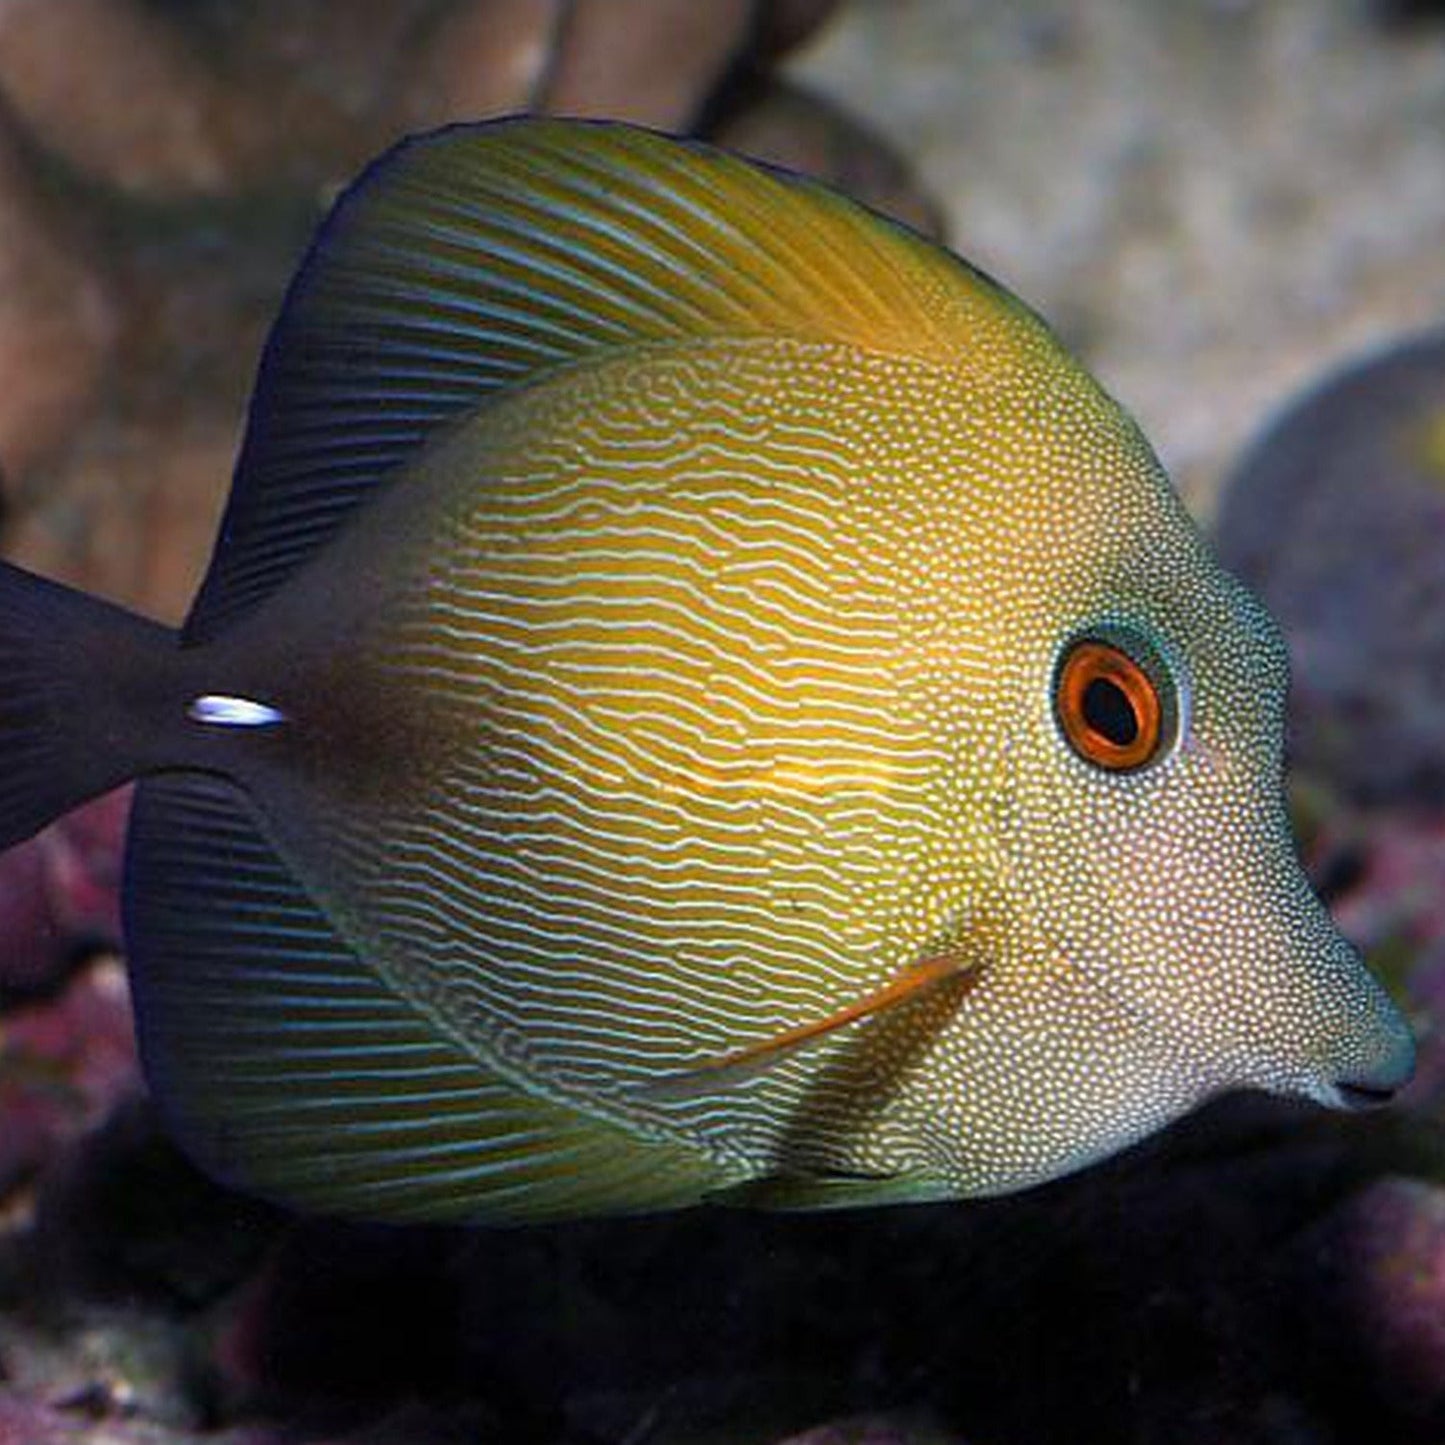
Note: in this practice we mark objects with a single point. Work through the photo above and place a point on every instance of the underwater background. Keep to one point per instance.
(1223, 208)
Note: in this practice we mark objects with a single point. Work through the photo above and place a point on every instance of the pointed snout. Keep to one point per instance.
(1381, 1077)
(1361, 1050)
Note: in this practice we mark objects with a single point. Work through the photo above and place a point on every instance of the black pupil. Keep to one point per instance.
(1108, 711)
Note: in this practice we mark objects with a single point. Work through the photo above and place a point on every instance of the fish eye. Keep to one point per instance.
(1114, 701)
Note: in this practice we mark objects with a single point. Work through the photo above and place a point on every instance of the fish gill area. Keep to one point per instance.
(1234, 211)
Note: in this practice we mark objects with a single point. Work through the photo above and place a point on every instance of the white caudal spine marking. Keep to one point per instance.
(219, 709)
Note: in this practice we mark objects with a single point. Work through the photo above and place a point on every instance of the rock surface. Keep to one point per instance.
(1214, 201)
(64, 1065)
(59, 896)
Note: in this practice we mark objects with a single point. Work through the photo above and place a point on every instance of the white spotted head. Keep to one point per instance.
(1159, 942)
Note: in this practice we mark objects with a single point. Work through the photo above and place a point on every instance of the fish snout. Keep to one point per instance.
(1358, 1048)
(1384, 1076)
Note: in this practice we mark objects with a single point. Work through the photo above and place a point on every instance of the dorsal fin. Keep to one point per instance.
(478, 257)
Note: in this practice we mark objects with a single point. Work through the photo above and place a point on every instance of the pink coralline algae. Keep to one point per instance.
(64, 1064)
(59, 895)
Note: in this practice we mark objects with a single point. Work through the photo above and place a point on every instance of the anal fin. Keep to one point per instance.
(285, 1067)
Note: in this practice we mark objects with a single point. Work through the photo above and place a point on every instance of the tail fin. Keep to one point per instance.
(74, 673)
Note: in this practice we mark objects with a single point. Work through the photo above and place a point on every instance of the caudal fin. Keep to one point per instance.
(74, 676)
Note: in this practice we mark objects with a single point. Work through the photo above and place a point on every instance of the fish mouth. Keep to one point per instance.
(1382, 1080)
(1358, 1098)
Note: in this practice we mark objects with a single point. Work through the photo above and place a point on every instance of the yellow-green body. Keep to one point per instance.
(729, 615)
(740, 651)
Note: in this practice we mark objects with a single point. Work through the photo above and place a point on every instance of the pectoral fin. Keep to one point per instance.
(748, 1062)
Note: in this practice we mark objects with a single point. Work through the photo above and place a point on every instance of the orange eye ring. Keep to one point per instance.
(1108, 707)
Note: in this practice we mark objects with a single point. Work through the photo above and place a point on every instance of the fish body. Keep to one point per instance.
(697, 696)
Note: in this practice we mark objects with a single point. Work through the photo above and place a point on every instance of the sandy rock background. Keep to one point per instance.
(1213, 201)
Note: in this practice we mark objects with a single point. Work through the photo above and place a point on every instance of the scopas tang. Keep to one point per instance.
(696, 695)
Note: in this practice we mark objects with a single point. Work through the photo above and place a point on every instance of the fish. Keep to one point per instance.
(697, 697)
